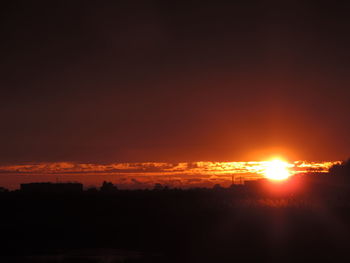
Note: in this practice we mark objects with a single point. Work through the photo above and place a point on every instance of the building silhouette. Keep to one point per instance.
(52, 187)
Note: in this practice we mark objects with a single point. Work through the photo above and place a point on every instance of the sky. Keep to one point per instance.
(146, 175)
(184, 81)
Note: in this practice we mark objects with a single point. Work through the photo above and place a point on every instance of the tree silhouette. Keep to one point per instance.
(108, 187)
(3, 189)
(342, 169)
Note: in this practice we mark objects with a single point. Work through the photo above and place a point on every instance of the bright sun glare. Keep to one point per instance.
(276, 169)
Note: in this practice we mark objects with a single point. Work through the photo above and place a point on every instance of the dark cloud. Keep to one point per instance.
(184, 81)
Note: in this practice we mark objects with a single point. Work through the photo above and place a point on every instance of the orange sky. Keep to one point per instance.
(145, 175)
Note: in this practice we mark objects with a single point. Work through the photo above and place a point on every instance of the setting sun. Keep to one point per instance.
(276, 170)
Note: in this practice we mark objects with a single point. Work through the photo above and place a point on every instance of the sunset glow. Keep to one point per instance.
(144, 175)
(277, 169)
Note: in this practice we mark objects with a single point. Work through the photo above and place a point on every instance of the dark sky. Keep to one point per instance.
(111, 81)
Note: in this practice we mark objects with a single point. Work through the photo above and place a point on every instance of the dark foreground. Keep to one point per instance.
(173, 226)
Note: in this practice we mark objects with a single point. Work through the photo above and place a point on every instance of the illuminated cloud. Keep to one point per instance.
(207, 168)
(144, 175)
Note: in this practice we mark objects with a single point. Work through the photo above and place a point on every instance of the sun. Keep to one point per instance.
(277, 170)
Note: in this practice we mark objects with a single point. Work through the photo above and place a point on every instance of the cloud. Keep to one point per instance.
(145, 175)
(157, 168)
